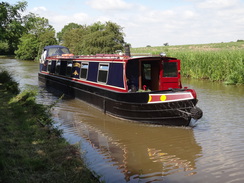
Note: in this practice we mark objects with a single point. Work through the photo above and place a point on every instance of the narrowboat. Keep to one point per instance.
(141, 88)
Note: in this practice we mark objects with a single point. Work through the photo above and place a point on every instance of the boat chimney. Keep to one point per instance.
(127, 50)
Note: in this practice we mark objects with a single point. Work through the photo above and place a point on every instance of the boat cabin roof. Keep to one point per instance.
(110, 57)
(64, 54)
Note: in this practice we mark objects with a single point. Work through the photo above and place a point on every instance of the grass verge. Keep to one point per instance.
(31, 149)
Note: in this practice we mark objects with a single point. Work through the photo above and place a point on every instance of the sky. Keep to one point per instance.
(151, 22)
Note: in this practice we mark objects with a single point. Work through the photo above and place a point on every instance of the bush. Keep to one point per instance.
(28, 48)
(4, 48)
(7, 83)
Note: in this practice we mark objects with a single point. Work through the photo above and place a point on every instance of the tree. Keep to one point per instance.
(11, 28)
(4, 48)
(38, 34)
(96, 38)
(67, 28)
(103, 38)
(28, 48)
(240, 40)
(74, 40)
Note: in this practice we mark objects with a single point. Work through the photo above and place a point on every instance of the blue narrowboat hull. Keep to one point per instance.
(129, 106)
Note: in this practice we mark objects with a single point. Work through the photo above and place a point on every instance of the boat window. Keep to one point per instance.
(147, 71)
(103, 73)
(49, 65)
(69, 64)
(57, 70)
(170, 69)
(57, 51)
(69, 68)
(84, 68)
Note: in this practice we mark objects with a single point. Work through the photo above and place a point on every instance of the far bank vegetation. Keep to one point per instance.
(216, 61)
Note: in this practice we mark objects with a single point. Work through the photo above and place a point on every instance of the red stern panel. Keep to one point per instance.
(160, 98)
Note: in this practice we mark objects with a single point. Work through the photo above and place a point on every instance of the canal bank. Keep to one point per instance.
(31, 149)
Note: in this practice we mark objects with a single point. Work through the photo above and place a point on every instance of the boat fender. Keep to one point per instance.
(196, 113)
(144, 87)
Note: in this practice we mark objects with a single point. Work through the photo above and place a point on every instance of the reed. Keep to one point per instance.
(222, 65)
(216, 62)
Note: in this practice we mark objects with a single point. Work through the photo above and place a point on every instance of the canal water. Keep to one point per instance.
(122, 151)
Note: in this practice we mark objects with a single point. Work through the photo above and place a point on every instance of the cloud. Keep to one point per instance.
(39, 9)
(59, 21)
(217, 4)
(80, 17)
(109, 4)
(190, 24)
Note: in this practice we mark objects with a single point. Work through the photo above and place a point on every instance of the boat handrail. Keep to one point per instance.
(140, 54)
(97, 56)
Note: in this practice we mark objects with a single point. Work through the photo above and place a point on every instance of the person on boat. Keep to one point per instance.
(44, 56)
(58, 52)
(42, 59)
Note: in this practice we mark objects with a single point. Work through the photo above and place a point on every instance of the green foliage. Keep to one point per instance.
(7, 83)
(23, 35)
(213, 65)
(11, 28)
(96, 38)
(39, 34)
(216, 62)
(240, 40)
(26, 36)
(31, 149)
(67, 28)
(36, 25)
(103, 38)
(4, 47)
(28, 47)
(73, 39)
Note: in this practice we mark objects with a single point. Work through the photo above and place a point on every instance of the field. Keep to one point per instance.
(216, 61)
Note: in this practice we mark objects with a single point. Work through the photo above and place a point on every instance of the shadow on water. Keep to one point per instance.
(123, 151)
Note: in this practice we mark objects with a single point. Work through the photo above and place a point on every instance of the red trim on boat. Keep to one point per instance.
(172, 97)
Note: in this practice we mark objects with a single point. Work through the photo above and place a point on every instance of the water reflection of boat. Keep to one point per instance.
(139, 151)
